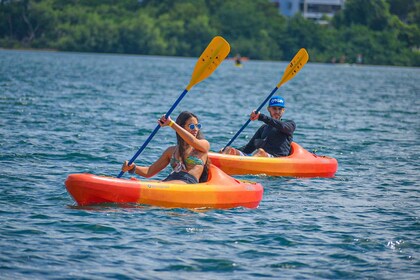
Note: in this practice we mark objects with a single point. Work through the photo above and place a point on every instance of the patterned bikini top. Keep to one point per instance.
(178, 165)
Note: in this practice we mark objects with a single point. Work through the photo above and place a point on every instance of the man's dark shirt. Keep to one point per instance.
(274, 136)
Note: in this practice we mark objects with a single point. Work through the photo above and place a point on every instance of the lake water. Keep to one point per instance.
(63, 113)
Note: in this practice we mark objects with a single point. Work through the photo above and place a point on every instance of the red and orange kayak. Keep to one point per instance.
(220, 191)
(300, 163)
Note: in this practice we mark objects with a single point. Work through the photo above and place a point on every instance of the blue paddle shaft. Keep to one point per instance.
(154, 131)
(247, 122)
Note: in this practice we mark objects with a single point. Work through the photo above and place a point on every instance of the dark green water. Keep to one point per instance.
(63, 113)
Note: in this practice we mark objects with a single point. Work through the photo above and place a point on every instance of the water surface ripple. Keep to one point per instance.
(63, 113)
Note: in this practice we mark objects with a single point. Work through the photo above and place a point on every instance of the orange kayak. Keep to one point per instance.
(300, 163)
(220, 191)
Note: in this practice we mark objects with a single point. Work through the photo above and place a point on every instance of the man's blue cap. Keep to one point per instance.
(277, 101)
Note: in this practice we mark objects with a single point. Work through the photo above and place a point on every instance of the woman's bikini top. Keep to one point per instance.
(178, 165)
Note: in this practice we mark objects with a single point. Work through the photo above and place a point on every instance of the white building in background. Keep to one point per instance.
(310, 9)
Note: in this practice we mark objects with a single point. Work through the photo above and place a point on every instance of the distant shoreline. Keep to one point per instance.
(244, 59)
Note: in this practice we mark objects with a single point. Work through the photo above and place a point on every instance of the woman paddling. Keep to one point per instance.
(188, 158)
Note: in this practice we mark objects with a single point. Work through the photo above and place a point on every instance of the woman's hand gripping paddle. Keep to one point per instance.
(297, 63)
(209, 60)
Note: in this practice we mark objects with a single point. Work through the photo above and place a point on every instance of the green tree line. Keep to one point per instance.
(384, 32)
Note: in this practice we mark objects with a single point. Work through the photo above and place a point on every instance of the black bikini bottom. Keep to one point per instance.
(182, 176)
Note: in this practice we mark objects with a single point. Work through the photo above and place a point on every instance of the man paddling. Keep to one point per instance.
(273, 138)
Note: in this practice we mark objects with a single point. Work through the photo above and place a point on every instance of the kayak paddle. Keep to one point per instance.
(297, 63)
(210, 59)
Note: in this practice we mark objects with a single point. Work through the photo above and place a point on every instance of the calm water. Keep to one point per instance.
(64, 113)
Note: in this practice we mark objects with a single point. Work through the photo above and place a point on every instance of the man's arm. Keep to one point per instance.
(287, 127)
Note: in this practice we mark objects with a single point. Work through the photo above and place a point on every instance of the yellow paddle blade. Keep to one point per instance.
(209, 60)
(297, 63)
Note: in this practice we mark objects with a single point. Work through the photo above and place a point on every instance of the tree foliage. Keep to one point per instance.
(383, 31)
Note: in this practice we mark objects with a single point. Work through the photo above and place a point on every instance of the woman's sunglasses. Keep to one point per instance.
(192, 126)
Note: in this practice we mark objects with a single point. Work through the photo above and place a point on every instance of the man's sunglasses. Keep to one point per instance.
(192, 126)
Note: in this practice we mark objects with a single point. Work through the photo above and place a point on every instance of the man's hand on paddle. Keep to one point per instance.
(254, 115)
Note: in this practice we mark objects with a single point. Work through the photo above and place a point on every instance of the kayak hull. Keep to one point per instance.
(300, 163)
(221, 191)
